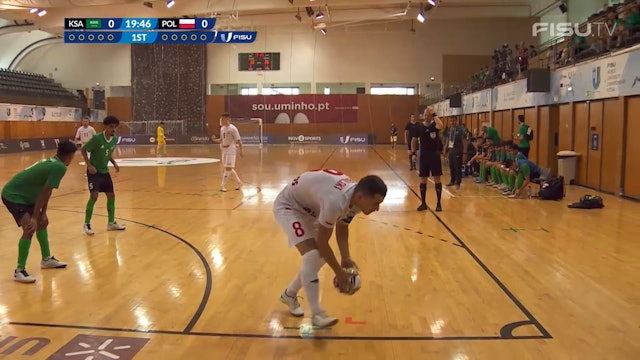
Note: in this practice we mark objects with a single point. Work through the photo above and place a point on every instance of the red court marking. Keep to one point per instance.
(349, 320)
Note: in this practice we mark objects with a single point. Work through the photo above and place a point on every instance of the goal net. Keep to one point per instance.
(250, 130)
(172, 128)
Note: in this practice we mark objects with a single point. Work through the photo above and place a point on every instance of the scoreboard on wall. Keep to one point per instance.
(258, 61)
(150, 31)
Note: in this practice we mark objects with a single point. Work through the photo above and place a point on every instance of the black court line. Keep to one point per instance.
(289, 337)
(507, 329)
(205, 264)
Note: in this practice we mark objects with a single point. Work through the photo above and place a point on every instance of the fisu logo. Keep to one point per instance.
(595, 77)
(345, 139)
(227, 37)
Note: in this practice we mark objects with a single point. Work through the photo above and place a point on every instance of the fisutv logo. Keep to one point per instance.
(354, 139)
(234, 37)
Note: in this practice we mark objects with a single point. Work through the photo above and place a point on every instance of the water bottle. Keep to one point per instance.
(529, 192)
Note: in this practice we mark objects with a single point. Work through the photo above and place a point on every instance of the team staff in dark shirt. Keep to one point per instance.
(430, 143)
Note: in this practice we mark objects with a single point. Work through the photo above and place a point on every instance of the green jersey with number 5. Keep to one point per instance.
(101, 150)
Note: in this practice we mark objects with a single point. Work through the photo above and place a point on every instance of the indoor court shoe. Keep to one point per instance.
(223, 189)
(239, 187)
(87, 229)
(292, 302)
(322, 320)
(115, 226)
(422, 207)
(438, 207)
(21, 275)
(52, 263)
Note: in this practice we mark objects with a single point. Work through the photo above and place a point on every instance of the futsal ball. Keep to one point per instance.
(354, 279)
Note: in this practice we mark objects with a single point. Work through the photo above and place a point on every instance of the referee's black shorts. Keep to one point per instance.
(430, 164)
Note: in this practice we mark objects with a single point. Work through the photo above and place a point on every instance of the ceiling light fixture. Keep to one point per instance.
(42, 13)
(323, 31)
(170, 3)
(432, 2)
(33, 10)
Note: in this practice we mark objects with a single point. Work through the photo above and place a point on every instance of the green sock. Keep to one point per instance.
(43, 239)
(89, 211)
(483, 172)
(512, 181)
(111, 209)
(494, 177)
(23, 252)
(519, 182)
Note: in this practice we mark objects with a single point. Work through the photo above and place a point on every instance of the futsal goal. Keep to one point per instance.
(172, 128)
(250, 130)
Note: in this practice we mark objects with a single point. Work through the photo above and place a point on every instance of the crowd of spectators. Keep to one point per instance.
(613, 28)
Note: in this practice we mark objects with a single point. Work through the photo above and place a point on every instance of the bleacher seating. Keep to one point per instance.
(30, 84)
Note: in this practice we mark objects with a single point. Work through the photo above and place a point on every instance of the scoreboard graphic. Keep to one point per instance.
(151, 31)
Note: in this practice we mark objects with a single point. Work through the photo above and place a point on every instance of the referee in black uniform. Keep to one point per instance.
(428, 132)
(409, 135)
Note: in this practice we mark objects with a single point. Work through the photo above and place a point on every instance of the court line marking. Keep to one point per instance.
(205, 264)
(271, 336)
(510, 295)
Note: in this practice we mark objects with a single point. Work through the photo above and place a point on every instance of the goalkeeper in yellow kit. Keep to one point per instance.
(162, 141)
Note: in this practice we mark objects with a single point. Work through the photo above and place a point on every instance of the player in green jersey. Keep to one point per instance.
(26, 196)
(101, 148)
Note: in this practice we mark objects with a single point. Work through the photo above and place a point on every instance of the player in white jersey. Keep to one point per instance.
(307, 209)
(229, 138)
(85, 132)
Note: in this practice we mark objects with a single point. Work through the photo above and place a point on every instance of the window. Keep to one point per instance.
(281, 91)
(393, 91)
(249, 91)
(327, 91)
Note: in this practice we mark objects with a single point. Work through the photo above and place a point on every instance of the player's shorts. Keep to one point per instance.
(99, 182)
(18, 210)
(429, 164)
(297, 225)
(229, 159)
(394, 138)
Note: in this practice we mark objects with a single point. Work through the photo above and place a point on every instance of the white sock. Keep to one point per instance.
(294, 287)
(311, 264)
(225, 176)
(235, 176)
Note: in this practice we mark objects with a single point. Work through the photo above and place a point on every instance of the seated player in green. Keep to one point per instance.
(26, 196)
(101, 147)
(526, 171)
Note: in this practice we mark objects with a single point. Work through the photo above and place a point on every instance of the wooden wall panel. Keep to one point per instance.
(594, 161)
(612, 145)
(542, 137)
(531, 118)
(550, 139)
(581, 139)
(120, 107)
(565, 130)
(631, 167)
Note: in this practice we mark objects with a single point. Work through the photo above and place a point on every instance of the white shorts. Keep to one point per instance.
(394, 138)
(297, 225)
(229, 159)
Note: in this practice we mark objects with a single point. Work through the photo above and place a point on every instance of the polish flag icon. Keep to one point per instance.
(187, 24)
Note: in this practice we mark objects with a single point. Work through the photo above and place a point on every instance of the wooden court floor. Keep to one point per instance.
(198, 273)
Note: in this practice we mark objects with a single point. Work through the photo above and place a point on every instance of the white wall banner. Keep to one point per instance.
(14, 112)
(442, 109)
(598, 79)
(514, 95)
(477, 102)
